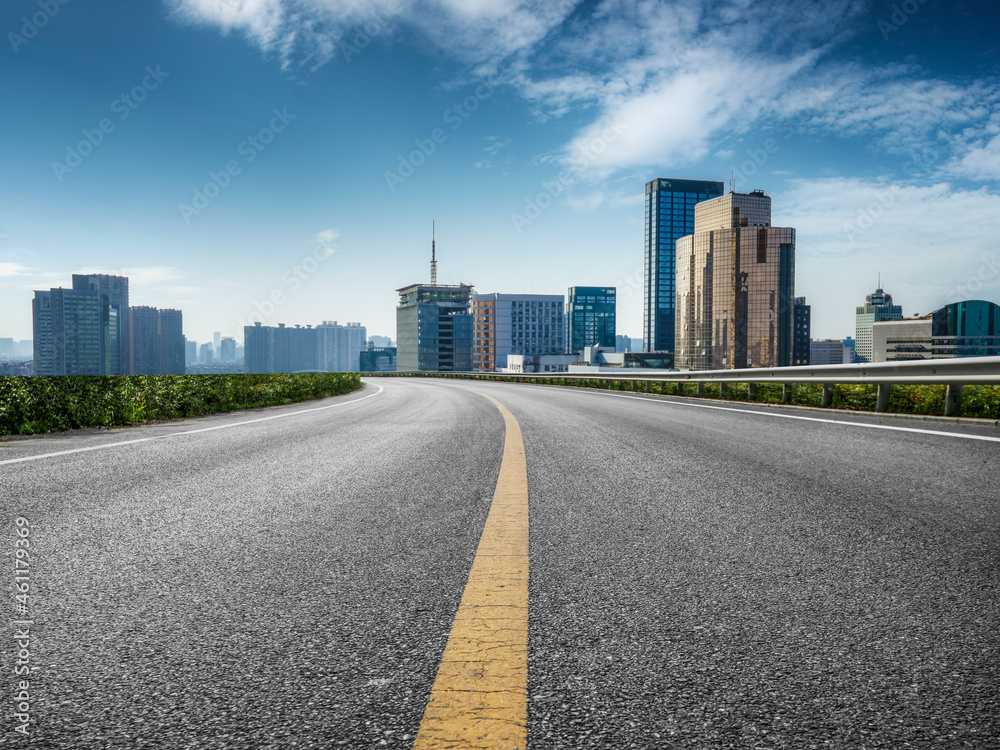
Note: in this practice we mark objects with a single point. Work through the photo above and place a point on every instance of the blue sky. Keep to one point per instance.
(282, 160)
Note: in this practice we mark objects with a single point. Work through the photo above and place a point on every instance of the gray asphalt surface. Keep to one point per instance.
(700, 578)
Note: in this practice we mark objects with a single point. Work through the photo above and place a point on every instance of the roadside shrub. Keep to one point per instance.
(43, 404)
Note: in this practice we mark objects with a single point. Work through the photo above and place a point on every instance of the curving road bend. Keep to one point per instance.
(699, 577)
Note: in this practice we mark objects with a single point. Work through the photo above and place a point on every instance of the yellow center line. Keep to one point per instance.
(480, 696)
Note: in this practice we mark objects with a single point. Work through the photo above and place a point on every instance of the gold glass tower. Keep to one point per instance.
(735, 287)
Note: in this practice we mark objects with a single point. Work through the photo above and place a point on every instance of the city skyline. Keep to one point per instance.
(244, 153)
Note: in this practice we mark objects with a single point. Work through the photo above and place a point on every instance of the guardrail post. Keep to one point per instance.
(701, 389)
(883, 397)
(680, 389)
(649, 386)
(752, 391)
(952, 400)
(723, 389)
(827, 395)
(786, 393)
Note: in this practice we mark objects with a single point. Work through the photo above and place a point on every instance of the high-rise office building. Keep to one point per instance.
(735, 286)
(434, 326)
(877, 307)
(590, 317)
(227, 347)
(505, 324)
(112, 294)
(68, 332)
(190, 353)
(801, 335)
(217, 343)
(669, 216)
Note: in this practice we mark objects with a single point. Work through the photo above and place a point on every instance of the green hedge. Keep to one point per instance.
(43, 404)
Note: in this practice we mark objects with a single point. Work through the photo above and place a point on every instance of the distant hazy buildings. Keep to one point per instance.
(669, 216)
(11, 349)
(961, 329)
(877, 308)
(340, 346)
(735, 293)
(329, 347)
(505, 324)
(156, 341)
(379, 342)
(801, 350)
(590, 317)
(829, 352)
(627, 344)
(227, 349)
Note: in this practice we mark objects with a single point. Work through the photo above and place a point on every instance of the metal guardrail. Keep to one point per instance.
(954, 373)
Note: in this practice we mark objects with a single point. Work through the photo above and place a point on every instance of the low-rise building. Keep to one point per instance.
(962, 329)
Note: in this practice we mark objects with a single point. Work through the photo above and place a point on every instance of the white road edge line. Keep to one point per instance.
(794, 416)
(186, 432)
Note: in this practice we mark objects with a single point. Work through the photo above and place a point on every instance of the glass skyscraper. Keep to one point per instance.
(735, 287)
(434, 328)
(669, 216)
(590, 317)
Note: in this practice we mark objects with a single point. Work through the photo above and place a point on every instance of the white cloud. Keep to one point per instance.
(478, 32)
(929, 243)
(13, 269)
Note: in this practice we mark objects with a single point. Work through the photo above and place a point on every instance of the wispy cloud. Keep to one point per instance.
(680, 78)
(13, 269)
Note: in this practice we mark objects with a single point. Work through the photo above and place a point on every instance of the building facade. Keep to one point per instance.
(378, 359)
(506, 324)
(669, 216)
(735, 287)
(434, 328)
(962, 329)
(67, 332)
(590, 317)
(801, 335)
(877, 308)
(341, 346)
(112, 294)
(829, 352)
(329, 347)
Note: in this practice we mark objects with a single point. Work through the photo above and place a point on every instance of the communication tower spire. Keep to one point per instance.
(434, 263)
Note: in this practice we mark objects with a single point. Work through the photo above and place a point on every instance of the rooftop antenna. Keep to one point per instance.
(879, 280)
(732, 181)
(434, 263)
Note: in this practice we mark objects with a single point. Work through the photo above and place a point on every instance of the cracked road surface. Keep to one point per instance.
(698, 578)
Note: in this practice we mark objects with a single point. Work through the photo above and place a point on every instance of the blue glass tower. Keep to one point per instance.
(669, 216)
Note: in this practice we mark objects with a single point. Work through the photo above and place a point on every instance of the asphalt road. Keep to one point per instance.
(699, 578)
